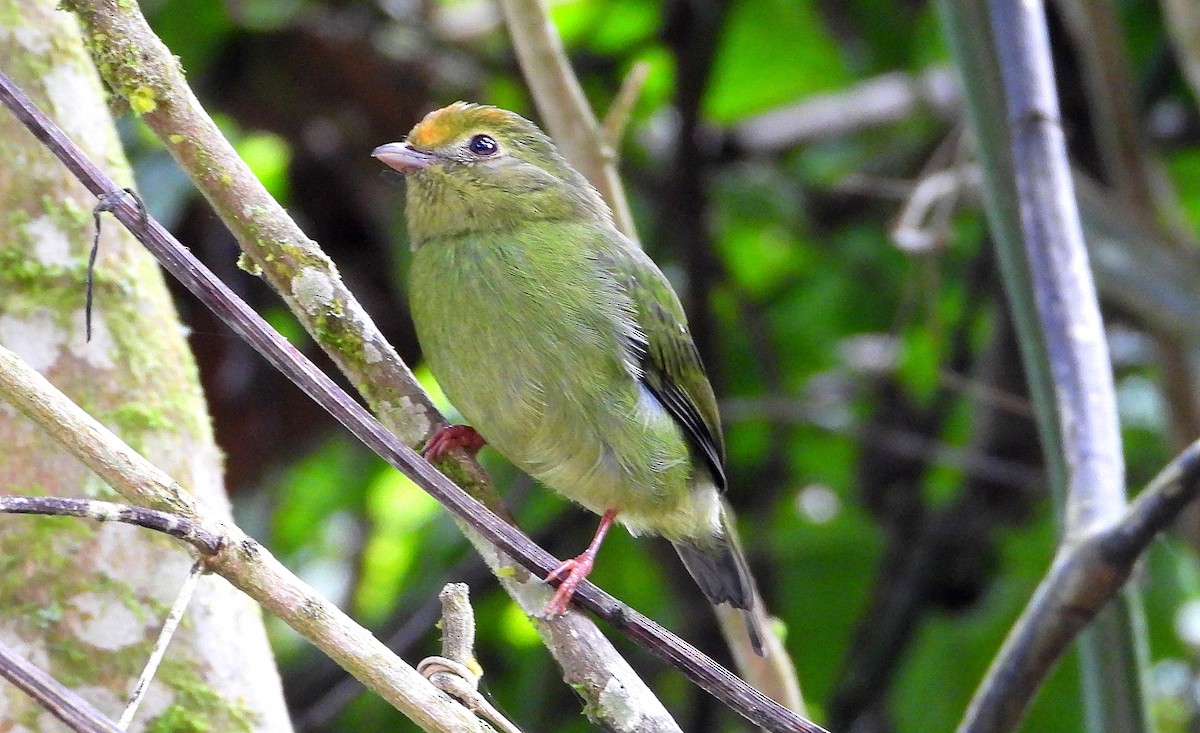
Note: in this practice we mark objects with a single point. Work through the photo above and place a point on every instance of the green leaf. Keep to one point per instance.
(771, 52)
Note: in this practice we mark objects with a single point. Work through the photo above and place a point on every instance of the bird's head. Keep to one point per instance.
(474, 168)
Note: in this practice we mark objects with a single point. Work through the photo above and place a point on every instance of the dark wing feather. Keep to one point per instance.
(670, 364)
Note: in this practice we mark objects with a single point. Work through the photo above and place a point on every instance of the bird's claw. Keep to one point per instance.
(572, 572)
(450, 437)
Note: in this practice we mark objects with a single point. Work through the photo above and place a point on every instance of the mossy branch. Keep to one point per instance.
(503, 538)
(240, 560)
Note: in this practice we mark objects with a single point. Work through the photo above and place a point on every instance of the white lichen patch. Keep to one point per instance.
(313, 290)
(98, 352)
(371, 353)
(75, 96)
(408, 418)
(34, 336)
(104, 622)
(356, 314)
(622, 710)
(51, 245)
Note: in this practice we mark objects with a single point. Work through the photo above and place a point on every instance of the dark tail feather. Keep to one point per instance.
(720, 570)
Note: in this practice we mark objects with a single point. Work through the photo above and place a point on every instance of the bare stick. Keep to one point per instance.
(458, 623)
(203, 539)
(170, 624)
(881, 100)
(177, 260)
(619, 113)
(74, 711)
(1062, 280)
(1003, 53)
(1084, 577)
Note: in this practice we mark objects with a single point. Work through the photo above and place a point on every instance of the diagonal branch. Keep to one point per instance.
(241, 560)
(308, 281)
(77, 713)
(1083, 579)
(193, 275)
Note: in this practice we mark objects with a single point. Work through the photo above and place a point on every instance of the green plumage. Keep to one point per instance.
(559, 340)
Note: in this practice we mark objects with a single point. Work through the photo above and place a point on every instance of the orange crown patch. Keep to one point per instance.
(447, 124)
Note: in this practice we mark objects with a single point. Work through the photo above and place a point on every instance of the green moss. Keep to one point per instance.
(246, 264)
(53, 542)
(178, 719)
(67, 214)
(205, 708)
(9, 17)
(135, 418)
(121, 68)
(73, 660)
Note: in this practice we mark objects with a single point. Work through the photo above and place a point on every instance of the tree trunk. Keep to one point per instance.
(84, 601)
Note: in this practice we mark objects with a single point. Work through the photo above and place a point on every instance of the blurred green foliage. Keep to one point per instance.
(855, 376)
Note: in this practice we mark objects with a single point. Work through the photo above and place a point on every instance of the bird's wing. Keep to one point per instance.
(670, 364)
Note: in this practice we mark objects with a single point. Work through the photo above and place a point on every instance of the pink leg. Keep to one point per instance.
(451, 437)
(572, 572)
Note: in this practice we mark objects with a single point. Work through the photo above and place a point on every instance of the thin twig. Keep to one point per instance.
(203, 539)
(562, 104)
(177, 260)
(619, 113)
(77, 713)
(458, 623)
(170, 624)
(1083, 579)
(881, 100)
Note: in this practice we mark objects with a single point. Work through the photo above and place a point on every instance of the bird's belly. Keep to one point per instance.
(544, 378)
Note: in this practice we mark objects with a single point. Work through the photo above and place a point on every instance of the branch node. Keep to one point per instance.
(456, 673)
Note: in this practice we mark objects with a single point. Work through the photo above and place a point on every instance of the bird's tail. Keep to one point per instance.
(720, 569)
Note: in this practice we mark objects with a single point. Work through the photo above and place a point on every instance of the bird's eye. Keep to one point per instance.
(483, 145)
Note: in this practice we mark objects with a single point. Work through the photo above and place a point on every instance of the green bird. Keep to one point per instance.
(562, 343)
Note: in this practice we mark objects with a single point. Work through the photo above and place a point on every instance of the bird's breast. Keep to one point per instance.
(529, 342)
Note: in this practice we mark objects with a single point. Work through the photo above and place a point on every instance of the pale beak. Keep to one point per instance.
(403, 157)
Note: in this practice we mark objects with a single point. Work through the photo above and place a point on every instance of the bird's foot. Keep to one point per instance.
(450, 437)
(572, 572)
